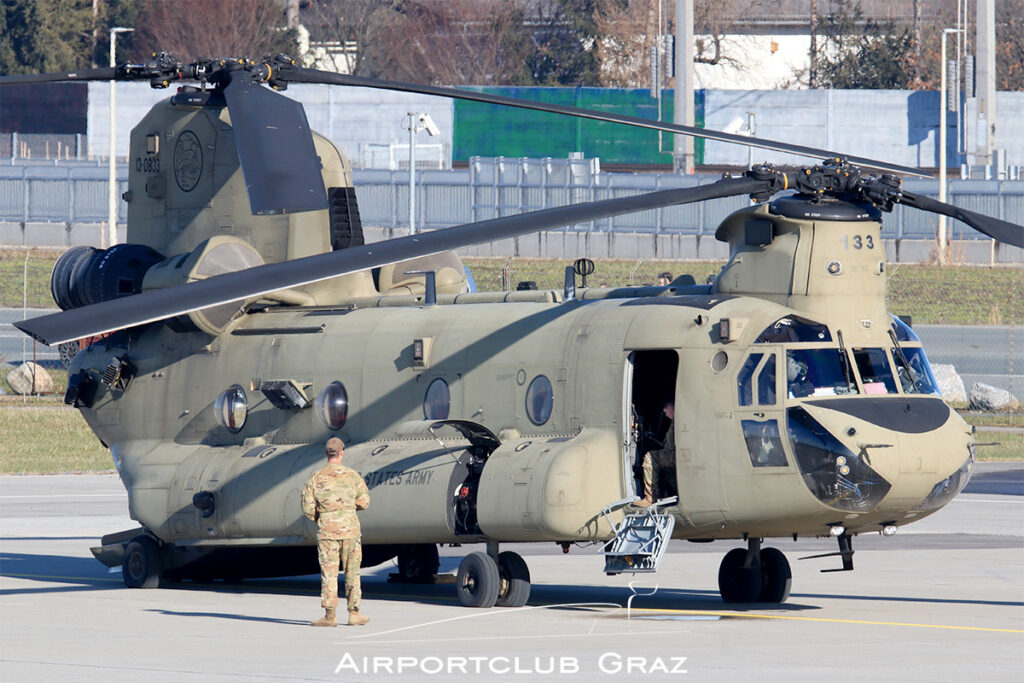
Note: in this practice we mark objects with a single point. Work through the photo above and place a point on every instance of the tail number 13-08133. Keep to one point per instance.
(858, 241)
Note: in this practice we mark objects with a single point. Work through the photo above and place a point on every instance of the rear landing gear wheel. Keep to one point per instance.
(776, 577)
(737, 583)
(478, 580)
(142, 566)
(515, 580)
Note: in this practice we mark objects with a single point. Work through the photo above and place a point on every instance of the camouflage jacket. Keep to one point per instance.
(331, 497)
(666, 456)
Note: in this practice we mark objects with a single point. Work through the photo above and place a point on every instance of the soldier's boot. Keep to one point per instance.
(357, 619)
(329, 619)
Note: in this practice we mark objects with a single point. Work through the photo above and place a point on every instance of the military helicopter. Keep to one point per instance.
(225, 343)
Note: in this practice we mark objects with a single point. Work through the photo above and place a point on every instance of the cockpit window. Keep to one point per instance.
(817, 372)
(914, 372)
(766, 382)
(794, 329)
(743, 380)
(903, 331)
(874, 371)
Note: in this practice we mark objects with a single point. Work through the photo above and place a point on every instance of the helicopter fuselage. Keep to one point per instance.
(760, 450)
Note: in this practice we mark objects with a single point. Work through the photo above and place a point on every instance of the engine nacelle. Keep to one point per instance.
(86, 275)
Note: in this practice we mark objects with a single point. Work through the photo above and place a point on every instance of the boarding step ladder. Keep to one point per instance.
(640, 539)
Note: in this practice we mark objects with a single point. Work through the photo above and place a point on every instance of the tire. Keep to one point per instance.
(515, 580)
(142, 566)
(478, 580)
(776, 577)
(737, 583)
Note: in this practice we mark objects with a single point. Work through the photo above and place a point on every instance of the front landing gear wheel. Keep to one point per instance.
(478, 580)
(737, 583)
(515, 580)
(142, 566)
(776, 577)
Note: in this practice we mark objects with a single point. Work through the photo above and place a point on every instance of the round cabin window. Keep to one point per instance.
(232, 408)
(332, 405)
(539, 400)
(438, 401)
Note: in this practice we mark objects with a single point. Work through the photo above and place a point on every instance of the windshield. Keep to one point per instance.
(793, 329)
(903, 331)
(817, 372)
(873, 366)
(914, 371)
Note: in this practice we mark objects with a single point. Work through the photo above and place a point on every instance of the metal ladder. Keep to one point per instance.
(640, 539)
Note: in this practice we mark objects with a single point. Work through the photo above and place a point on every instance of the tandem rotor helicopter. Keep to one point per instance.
(229, 339)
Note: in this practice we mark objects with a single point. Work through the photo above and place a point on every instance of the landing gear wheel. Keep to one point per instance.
(515, 580)
(142, 566)
(776, 578)
(478, 580)
(737, 583)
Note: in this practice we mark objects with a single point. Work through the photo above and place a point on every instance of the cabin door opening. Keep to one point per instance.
(651, 383)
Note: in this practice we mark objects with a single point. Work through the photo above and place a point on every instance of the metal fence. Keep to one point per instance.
(76, 192)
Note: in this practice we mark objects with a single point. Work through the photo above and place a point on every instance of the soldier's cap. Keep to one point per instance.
(335, 446)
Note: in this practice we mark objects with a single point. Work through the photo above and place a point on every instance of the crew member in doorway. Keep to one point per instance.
(331, 497)
(661, 461)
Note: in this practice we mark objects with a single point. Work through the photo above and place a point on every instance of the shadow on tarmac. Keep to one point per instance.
(85, 574)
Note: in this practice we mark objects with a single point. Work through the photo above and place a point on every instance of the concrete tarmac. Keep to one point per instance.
(943, 600)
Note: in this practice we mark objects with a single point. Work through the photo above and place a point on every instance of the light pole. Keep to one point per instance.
(417, 122)
(942, 144)
(110, 239)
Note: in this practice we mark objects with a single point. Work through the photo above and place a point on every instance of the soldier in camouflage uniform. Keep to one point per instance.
(331, 497)
(664, 458)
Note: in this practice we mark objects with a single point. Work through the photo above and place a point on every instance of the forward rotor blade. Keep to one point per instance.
(106, 74)
(995, 228)
(160, 304)
(275, 148)
(297, 75)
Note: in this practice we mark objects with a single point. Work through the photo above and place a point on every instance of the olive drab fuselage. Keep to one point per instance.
(798, 405)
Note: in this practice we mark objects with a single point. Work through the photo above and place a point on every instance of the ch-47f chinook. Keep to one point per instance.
(238, 339)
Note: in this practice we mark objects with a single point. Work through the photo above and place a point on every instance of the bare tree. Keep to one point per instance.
(351, 31)
(455, 42)
(191, 29)
(1010, 45)
(629, 28)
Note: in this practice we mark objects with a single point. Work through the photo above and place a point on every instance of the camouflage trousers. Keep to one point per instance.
(347, 555)
(664, 472)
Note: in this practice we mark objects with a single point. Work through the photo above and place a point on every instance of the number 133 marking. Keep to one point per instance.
(859, 242)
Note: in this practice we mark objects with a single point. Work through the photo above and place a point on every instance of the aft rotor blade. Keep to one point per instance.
(297, 75)
(160, 304)
(995, 228)
(275, 149)
(105, 74)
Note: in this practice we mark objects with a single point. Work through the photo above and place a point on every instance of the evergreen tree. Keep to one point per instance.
(45, 35)
(565, 33)
(855, 53)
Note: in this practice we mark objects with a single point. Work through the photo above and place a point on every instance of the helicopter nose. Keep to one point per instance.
(903, 458)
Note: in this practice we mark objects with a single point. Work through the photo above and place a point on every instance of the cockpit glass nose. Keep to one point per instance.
(836, 475)
(817, 372)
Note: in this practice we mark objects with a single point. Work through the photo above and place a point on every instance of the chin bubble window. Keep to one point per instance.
(539, 400)
(232, 408)
(438, 401)
(332, 405)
